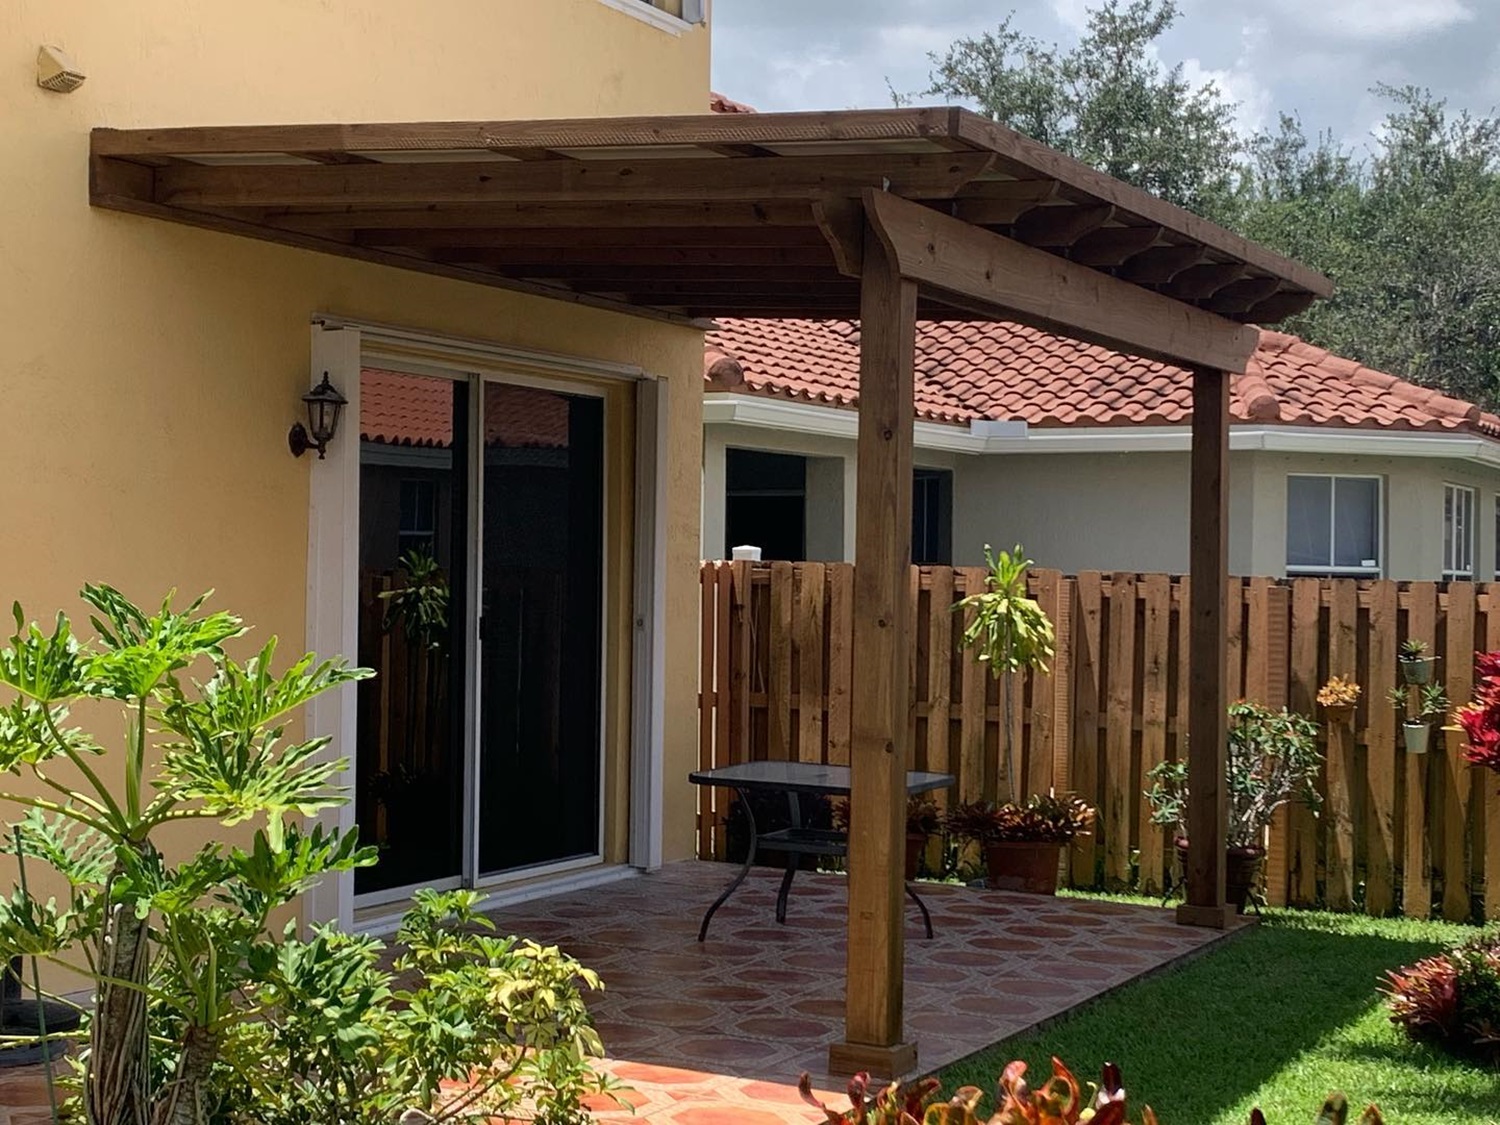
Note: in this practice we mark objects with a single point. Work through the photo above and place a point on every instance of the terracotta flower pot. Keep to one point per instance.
(1339, 712)
(916, 844)
(1242, 867)
(1028, 866)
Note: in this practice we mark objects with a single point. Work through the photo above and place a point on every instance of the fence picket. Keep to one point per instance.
(840, 660)
(1043, 692)
(1381, 757)
(940, 672)
(774, 679)
(1086, 673)
(1114, 810)
(1491, 821)
(809, 636)
(1338, 804)
(1302, 689)
(1458, 668)
(1156, 621)
(973, 683)
(1416, 873)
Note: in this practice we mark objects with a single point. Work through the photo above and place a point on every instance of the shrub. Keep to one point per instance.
(1058, 1101)
(1480, 719)
(1452, 999)
(1048, 819)
(1272, 760)
(200, 1012)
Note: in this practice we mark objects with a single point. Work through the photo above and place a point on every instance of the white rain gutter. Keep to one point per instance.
(1016, 437)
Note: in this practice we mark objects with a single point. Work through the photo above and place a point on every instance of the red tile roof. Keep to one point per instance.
(401, 409)
(975, 370)
(718, 103)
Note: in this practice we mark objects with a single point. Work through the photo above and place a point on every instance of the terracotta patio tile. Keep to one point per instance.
(705, 1032)
(725, 1115)
(782, 1027)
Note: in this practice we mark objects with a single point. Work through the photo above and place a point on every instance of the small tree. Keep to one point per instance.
(1011, 632)
(166, 945)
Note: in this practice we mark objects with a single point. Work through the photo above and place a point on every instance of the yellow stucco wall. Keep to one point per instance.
(150, 371)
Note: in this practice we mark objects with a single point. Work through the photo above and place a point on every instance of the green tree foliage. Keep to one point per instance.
(1107, 101)
(1408, 229)
(1410, 237)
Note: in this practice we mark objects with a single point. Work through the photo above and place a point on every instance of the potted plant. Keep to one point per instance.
(1272, 760)
(1338, 697)
(1011, 631)
(1022, 843)
(923, 821)
(1416, 665)
(1416, 729)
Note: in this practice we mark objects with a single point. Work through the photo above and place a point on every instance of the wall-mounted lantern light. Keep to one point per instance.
(324, 404)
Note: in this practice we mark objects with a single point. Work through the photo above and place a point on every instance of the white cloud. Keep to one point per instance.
(1073, 13)
(1375, 19)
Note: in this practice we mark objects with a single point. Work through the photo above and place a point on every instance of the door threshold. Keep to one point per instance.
(382, 920)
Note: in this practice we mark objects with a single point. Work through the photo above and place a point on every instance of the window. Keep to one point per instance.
(932, 517)
(1497, 536)
(417, 530)
(765, 503)
(1333, 525)
(1458, 531)
(674, 16)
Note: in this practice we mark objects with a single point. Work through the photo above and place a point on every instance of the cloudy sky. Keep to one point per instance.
(1314, 57)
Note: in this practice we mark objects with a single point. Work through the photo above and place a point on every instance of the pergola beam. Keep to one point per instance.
(879, 691)
(1014, 282)
(1208, 654)
(928, 175)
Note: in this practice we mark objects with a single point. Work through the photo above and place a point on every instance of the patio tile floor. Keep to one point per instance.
(720, 1032)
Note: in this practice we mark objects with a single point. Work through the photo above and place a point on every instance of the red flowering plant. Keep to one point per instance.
(1480, 719)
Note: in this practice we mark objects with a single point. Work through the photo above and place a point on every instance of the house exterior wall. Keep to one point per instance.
(1080, 511)
(831, 472)
(152, 370)
(1129, 511)
(1413, 499)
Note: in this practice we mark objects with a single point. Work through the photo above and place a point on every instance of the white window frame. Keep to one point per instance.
(695, 12)
(1343, 571)
(1496, 568)
(1452, 571)
(343, 348)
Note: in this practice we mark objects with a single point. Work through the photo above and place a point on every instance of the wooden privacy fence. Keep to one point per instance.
(1403, 833)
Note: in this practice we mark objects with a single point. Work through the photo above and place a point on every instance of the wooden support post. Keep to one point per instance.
(878, 752)
(1208, 642)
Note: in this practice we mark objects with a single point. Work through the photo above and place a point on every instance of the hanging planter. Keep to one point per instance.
(1418, 735)
(1415, 664)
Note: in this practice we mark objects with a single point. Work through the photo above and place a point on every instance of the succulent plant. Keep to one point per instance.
(1339, 692)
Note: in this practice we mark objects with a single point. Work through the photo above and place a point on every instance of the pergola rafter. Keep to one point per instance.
(885, 216)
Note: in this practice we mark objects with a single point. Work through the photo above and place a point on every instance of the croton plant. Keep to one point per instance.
(1060, 1100)
(1480, 719)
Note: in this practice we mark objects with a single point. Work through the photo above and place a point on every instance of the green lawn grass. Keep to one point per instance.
(1278, 1017)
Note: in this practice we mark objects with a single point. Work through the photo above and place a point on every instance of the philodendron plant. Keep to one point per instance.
(166, 946)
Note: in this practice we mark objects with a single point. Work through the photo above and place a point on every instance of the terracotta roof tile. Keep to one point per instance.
(974, 370)
(402, 409)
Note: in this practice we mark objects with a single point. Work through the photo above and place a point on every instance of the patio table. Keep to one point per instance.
(796, 779)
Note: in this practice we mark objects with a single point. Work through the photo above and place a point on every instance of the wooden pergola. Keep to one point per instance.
(886, 217)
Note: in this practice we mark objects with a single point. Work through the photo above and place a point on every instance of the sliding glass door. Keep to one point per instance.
(480, 748)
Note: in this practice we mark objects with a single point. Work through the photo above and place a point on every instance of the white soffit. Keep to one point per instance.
(985, 436)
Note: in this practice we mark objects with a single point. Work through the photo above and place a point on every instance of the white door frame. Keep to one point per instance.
(340, 348)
